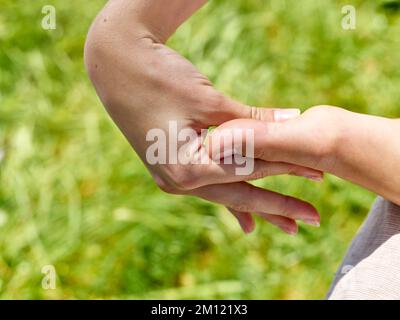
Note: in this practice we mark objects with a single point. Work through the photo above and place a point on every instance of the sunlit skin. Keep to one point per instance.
(144, 84)
(360, 148)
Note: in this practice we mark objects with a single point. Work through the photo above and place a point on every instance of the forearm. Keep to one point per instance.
(360, 148)
(369, 154)
(159, 18)
(132, 26)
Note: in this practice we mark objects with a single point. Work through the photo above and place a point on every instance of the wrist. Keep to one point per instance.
(112, 45)
(331, 131)
(157, 19)
(342, 134)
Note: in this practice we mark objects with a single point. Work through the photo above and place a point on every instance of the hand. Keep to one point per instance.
(145, 85)
(360, 148)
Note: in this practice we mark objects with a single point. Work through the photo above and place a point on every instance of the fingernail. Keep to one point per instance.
(247, 228)
(291, 232)
(281, 115)
(314, 178)
(314, 223)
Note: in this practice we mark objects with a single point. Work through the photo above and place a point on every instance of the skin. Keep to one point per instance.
(144, 85)
(360, 148)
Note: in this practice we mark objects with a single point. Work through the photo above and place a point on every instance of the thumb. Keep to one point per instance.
(236, 110)
(290, 142)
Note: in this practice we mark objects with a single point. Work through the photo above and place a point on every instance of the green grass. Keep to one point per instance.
(74, 195)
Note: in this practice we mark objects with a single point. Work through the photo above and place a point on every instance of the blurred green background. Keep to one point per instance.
(74, 195)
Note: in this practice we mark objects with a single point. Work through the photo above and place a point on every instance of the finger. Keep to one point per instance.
(248, 169)
(290, 142)
(287, 225)
(247, 223)
(245, 220)
(231, 109)
(244, 197)
(199, 170)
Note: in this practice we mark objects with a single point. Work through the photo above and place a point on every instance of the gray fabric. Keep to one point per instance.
(371, 267)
